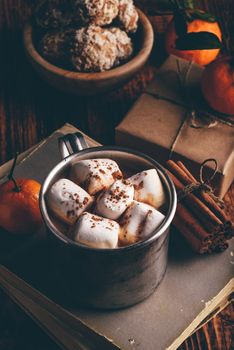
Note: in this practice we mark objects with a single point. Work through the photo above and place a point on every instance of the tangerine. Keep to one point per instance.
(19, 209)
(202, 56)
(217, 85)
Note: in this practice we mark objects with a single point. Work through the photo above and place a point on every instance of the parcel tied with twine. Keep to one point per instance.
(170, 120)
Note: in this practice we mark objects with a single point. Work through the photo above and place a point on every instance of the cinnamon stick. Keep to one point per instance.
(180, 171)
(198, 217)
(229, 232)
(190, 228)
(218, 245)
(198, 208)
(187, 172)
(206, 197)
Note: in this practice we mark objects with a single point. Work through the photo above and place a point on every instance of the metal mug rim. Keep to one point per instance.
(155, 235)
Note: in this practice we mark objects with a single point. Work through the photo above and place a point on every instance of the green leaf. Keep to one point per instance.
(198, 41)
(180, 22)
(182, 4)
(188, 4)
(205, 16)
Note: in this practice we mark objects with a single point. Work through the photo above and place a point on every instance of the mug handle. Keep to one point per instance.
(71, 143)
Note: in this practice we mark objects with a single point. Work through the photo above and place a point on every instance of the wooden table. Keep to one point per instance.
(30, 110)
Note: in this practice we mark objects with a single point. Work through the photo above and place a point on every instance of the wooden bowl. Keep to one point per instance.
(92, 83)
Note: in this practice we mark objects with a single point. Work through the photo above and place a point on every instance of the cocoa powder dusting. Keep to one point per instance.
(70, 213)
(139, 186)
(95, 218)
(116, 175)
(85, 201)
(126, 182)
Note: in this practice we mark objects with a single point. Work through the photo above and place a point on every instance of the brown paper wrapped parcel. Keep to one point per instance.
(164, 127)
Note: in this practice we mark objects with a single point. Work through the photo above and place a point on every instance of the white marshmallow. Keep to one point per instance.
(114, 201)
(138, 222)
(95, 231)
(95, 174)
(67, 200)
(148, 188)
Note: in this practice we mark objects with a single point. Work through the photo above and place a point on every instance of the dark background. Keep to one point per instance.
(30, 110)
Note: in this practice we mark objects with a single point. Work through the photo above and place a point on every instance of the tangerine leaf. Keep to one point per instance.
(188, 4)
(198, 41)
(180, 22)
(205, 16)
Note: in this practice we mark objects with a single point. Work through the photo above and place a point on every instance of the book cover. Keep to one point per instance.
(193, 287)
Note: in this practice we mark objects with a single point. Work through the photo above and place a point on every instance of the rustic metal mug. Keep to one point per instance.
(109, 278)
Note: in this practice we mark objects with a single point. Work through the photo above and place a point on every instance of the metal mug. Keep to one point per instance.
(109, 278)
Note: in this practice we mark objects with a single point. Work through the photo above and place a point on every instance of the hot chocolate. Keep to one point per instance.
(106, 206)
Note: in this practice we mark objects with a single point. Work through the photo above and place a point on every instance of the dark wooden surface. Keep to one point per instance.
(30, 110)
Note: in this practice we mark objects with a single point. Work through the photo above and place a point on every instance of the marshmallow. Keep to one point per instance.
(95, 231)
(67, 200)
(114, 201)
(148, 188)
(95, 174)
(138, 222)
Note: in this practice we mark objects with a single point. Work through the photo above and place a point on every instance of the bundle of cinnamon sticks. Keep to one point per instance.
(199, 218)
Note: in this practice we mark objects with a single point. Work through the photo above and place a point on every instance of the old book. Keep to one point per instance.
(193, 288)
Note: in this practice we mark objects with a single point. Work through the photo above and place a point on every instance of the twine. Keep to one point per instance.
(203, 184)
(193, 113)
